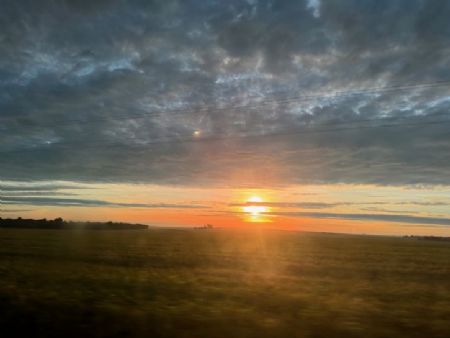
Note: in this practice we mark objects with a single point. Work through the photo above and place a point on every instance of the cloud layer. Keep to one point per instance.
(79, 202)
(113, 91)
(406, 219)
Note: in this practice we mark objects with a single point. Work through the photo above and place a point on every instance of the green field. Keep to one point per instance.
(220, 283)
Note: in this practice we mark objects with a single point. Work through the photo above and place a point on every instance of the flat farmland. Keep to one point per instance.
(221, 283)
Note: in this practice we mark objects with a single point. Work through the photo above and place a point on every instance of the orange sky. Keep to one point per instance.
(325, 208)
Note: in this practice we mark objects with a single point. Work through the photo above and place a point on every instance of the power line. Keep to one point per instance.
(262, 103)
(61, 146)
(307, 128)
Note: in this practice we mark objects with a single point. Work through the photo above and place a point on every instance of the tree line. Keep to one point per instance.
(59, 223)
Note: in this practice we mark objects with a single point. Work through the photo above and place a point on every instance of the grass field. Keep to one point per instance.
(219, 283)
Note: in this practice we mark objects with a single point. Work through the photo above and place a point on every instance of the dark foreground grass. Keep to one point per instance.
(169, 283)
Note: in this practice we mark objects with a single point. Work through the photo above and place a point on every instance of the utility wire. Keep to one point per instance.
(259, 105)
(308, 128)
(62, 146)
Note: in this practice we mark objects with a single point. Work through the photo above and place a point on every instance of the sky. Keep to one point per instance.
(315, 115)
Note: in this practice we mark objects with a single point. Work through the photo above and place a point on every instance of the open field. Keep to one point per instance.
(174, 283)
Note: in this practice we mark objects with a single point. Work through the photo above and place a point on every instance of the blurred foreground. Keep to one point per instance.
(219, 283)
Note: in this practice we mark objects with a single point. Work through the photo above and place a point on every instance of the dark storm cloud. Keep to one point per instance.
(113, 91)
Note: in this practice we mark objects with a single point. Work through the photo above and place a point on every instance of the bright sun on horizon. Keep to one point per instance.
(254, 209)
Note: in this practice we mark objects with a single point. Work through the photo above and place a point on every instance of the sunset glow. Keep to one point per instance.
(210, 112)
(255, 209)
(243, 168)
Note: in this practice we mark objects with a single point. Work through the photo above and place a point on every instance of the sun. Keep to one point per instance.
(254, 207)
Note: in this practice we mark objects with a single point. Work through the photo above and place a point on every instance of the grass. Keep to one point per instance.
(174, 283)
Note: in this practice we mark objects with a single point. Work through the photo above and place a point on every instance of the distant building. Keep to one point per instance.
(205, 227)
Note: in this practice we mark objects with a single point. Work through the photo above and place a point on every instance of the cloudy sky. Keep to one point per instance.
(334, 113)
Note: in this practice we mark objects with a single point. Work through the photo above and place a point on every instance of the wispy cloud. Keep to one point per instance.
(14, 210)
(368, 217)
(24, 193)
(325, 205)
(304, 205)
(26, 187)
(73, 202)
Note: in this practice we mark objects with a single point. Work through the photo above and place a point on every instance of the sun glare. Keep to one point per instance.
(256, 199)
(254, 209)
